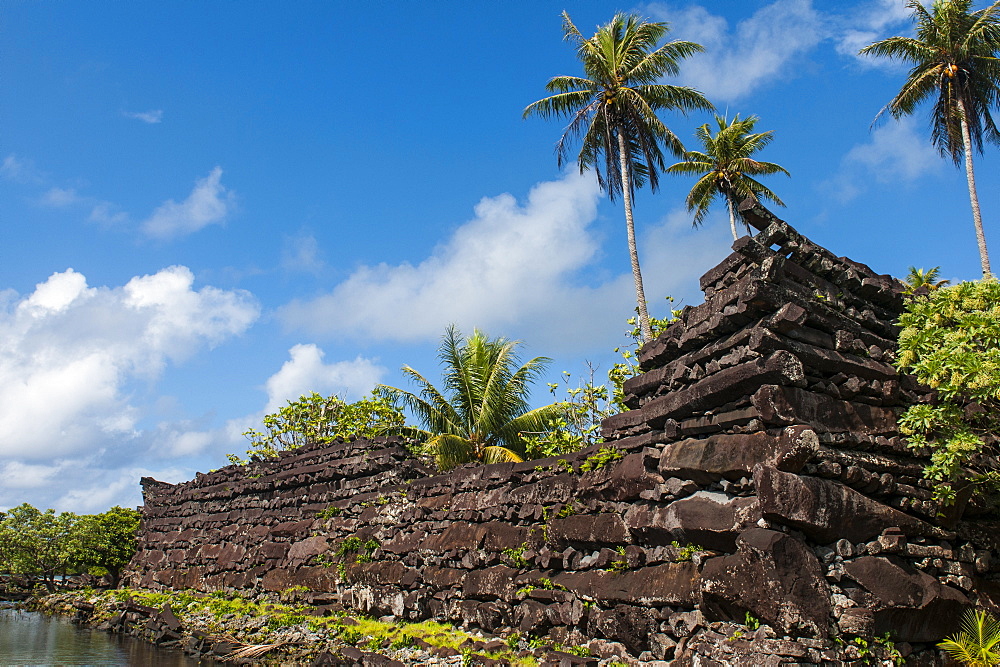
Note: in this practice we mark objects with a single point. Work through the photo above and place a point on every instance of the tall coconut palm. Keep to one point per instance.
(483, 409)
(613, 110)
(726, 168)
(954, 58)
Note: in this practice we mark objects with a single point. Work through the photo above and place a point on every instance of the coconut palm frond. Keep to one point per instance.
(978, 642)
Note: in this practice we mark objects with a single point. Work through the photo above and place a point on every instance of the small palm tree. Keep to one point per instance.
(918, 278)
(978, 642)
(954, 58)
(613, 108)
(484, 407)
(726, 168)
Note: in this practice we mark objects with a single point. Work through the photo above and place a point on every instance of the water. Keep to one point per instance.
(33, 639)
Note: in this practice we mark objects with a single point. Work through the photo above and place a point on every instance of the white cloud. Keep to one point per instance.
(71, 353)
(758, 51)
(897, 153)
(60, 197)
(102, 212)
(301, 255)
(523, 270)
(15, 169)
(209, 203)
(305, 372)
(107, 214)
(152, 116)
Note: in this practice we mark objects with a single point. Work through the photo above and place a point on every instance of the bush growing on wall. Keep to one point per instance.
(951, 342)
(316, 418)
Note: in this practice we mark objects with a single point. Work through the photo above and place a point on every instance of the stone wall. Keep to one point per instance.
(759, 472)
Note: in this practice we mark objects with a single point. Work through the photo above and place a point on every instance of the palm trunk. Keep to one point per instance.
(970, 176)
(645, 331)
(732, 217)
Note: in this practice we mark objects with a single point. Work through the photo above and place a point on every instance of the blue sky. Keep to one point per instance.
(210, 208)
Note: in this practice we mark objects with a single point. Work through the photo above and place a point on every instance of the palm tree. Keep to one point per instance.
(727, 169)
(613, 108)
(918, 278)
(978, 643)
(483, 409)
(954, 57)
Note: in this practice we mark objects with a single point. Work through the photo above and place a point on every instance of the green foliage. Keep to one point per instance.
(577, 422)
(106, 541)
(38, 545)
(751, 622)
(929, 278)
(314, 418)
(569, 509)
(329, 513)
(686, 552)
(604, 456)
(629, 366)
(950, 340)
(349, 551)
(516, 555)
(977, 644)
(41, 545)
(877, 650)
(483, 411)
(726, 168)
(543, 583)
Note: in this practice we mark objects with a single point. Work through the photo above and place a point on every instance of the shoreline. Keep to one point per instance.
(232, 629)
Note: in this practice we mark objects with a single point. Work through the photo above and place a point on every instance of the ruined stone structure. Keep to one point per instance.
(759, 472)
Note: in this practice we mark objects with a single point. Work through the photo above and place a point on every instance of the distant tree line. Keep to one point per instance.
(39, 546)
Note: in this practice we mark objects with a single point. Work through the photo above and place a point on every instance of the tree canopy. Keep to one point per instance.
(41, 545)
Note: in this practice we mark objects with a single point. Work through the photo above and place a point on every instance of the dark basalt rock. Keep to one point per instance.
(772, 576)
(826, 510)
(912, 605)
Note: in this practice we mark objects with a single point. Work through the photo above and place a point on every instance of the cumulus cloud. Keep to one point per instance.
(306, 372)
(520, 269)
(209, 203)
(152, 116)
(897, 153)
(71, 353)
(755, 52)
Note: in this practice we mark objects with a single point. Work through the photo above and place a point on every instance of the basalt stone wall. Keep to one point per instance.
(759, 472)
